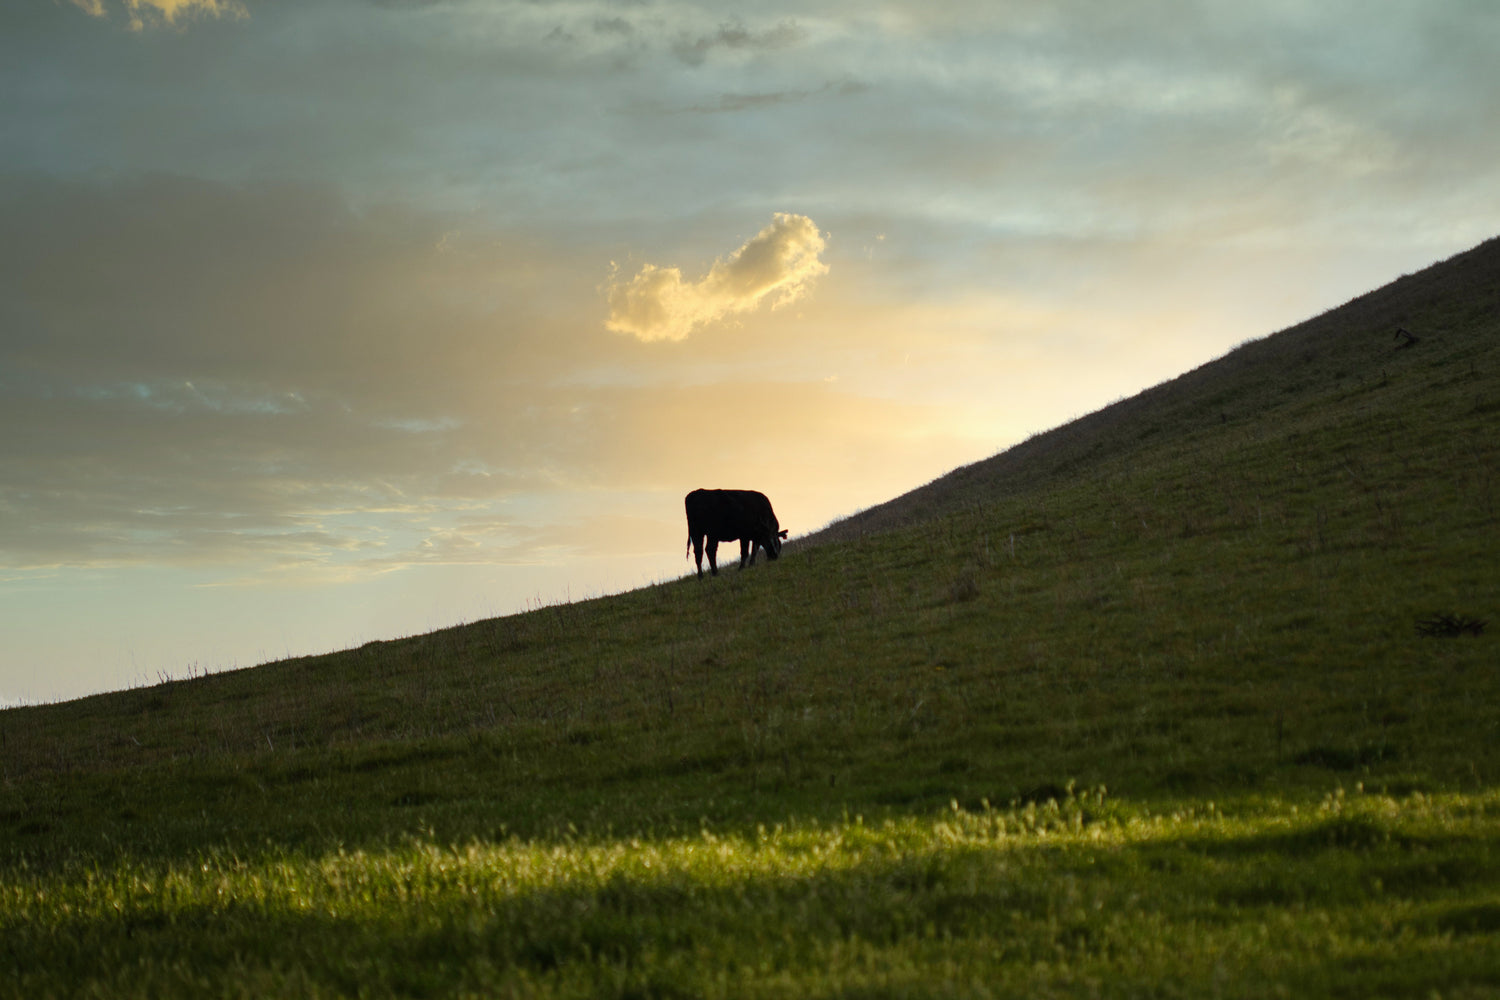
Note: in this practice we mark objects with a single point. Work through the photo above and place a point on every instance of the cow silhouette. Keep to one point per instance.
(718, 516)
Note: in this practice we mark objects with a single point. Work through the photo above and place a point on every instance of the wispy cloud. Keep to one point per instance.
(780, 263)
(730, 102)
(735, 36)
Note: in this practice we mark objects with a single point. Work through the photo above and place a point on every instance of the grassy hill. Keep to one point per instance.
(1313, 370)
(1145, 705)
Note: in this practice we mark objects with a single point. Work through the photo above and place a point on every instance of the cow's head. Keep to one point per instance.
(773, 551)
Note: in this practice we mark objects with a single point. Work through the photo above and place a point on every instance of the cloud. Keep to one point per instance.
(780, 262)
(731, 102)
(736, 37)
(194, 372)
(170, 12)
(751, 102)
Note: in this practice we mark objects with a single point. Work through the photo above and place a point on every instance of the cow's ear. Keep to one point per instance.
(783, 532)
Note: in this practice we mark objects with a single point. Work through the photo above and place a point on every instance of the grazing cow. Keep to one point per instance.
(727, 515)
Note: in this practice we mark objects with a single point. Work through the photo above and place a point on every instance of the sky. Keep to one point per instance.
(326, 321)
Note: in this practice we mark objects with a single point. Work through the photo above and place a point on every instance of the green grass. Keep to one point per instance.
(1356, 895)
(877, 766)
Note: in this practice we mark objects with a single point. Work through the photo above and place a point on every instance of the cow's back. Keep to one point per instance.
(728, 514)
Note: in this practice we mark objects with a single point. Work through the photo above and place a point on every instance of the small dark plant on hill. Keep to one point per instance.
(1441, 626)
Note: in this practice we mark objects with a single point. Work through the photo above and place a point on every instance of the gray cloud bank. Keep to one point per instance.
(196, 372)
(1064, 118)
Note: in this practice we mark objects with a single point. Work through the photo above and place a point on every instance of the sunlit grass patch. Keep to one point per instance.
(1079, 895)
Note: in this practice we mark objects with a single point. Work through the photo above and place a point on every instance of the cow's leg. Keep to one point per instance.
(713, 556)
(747, 553)
(698, 554)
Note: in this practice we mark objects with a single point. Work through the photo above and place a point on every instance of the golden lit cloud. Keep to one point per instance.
(144, 12)
(170, 11)
(779, 262)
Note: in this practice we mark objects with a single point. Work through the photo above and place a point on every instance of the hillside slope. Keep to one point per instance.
(1452, 307)
(1321, 443)
(1327, 443)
